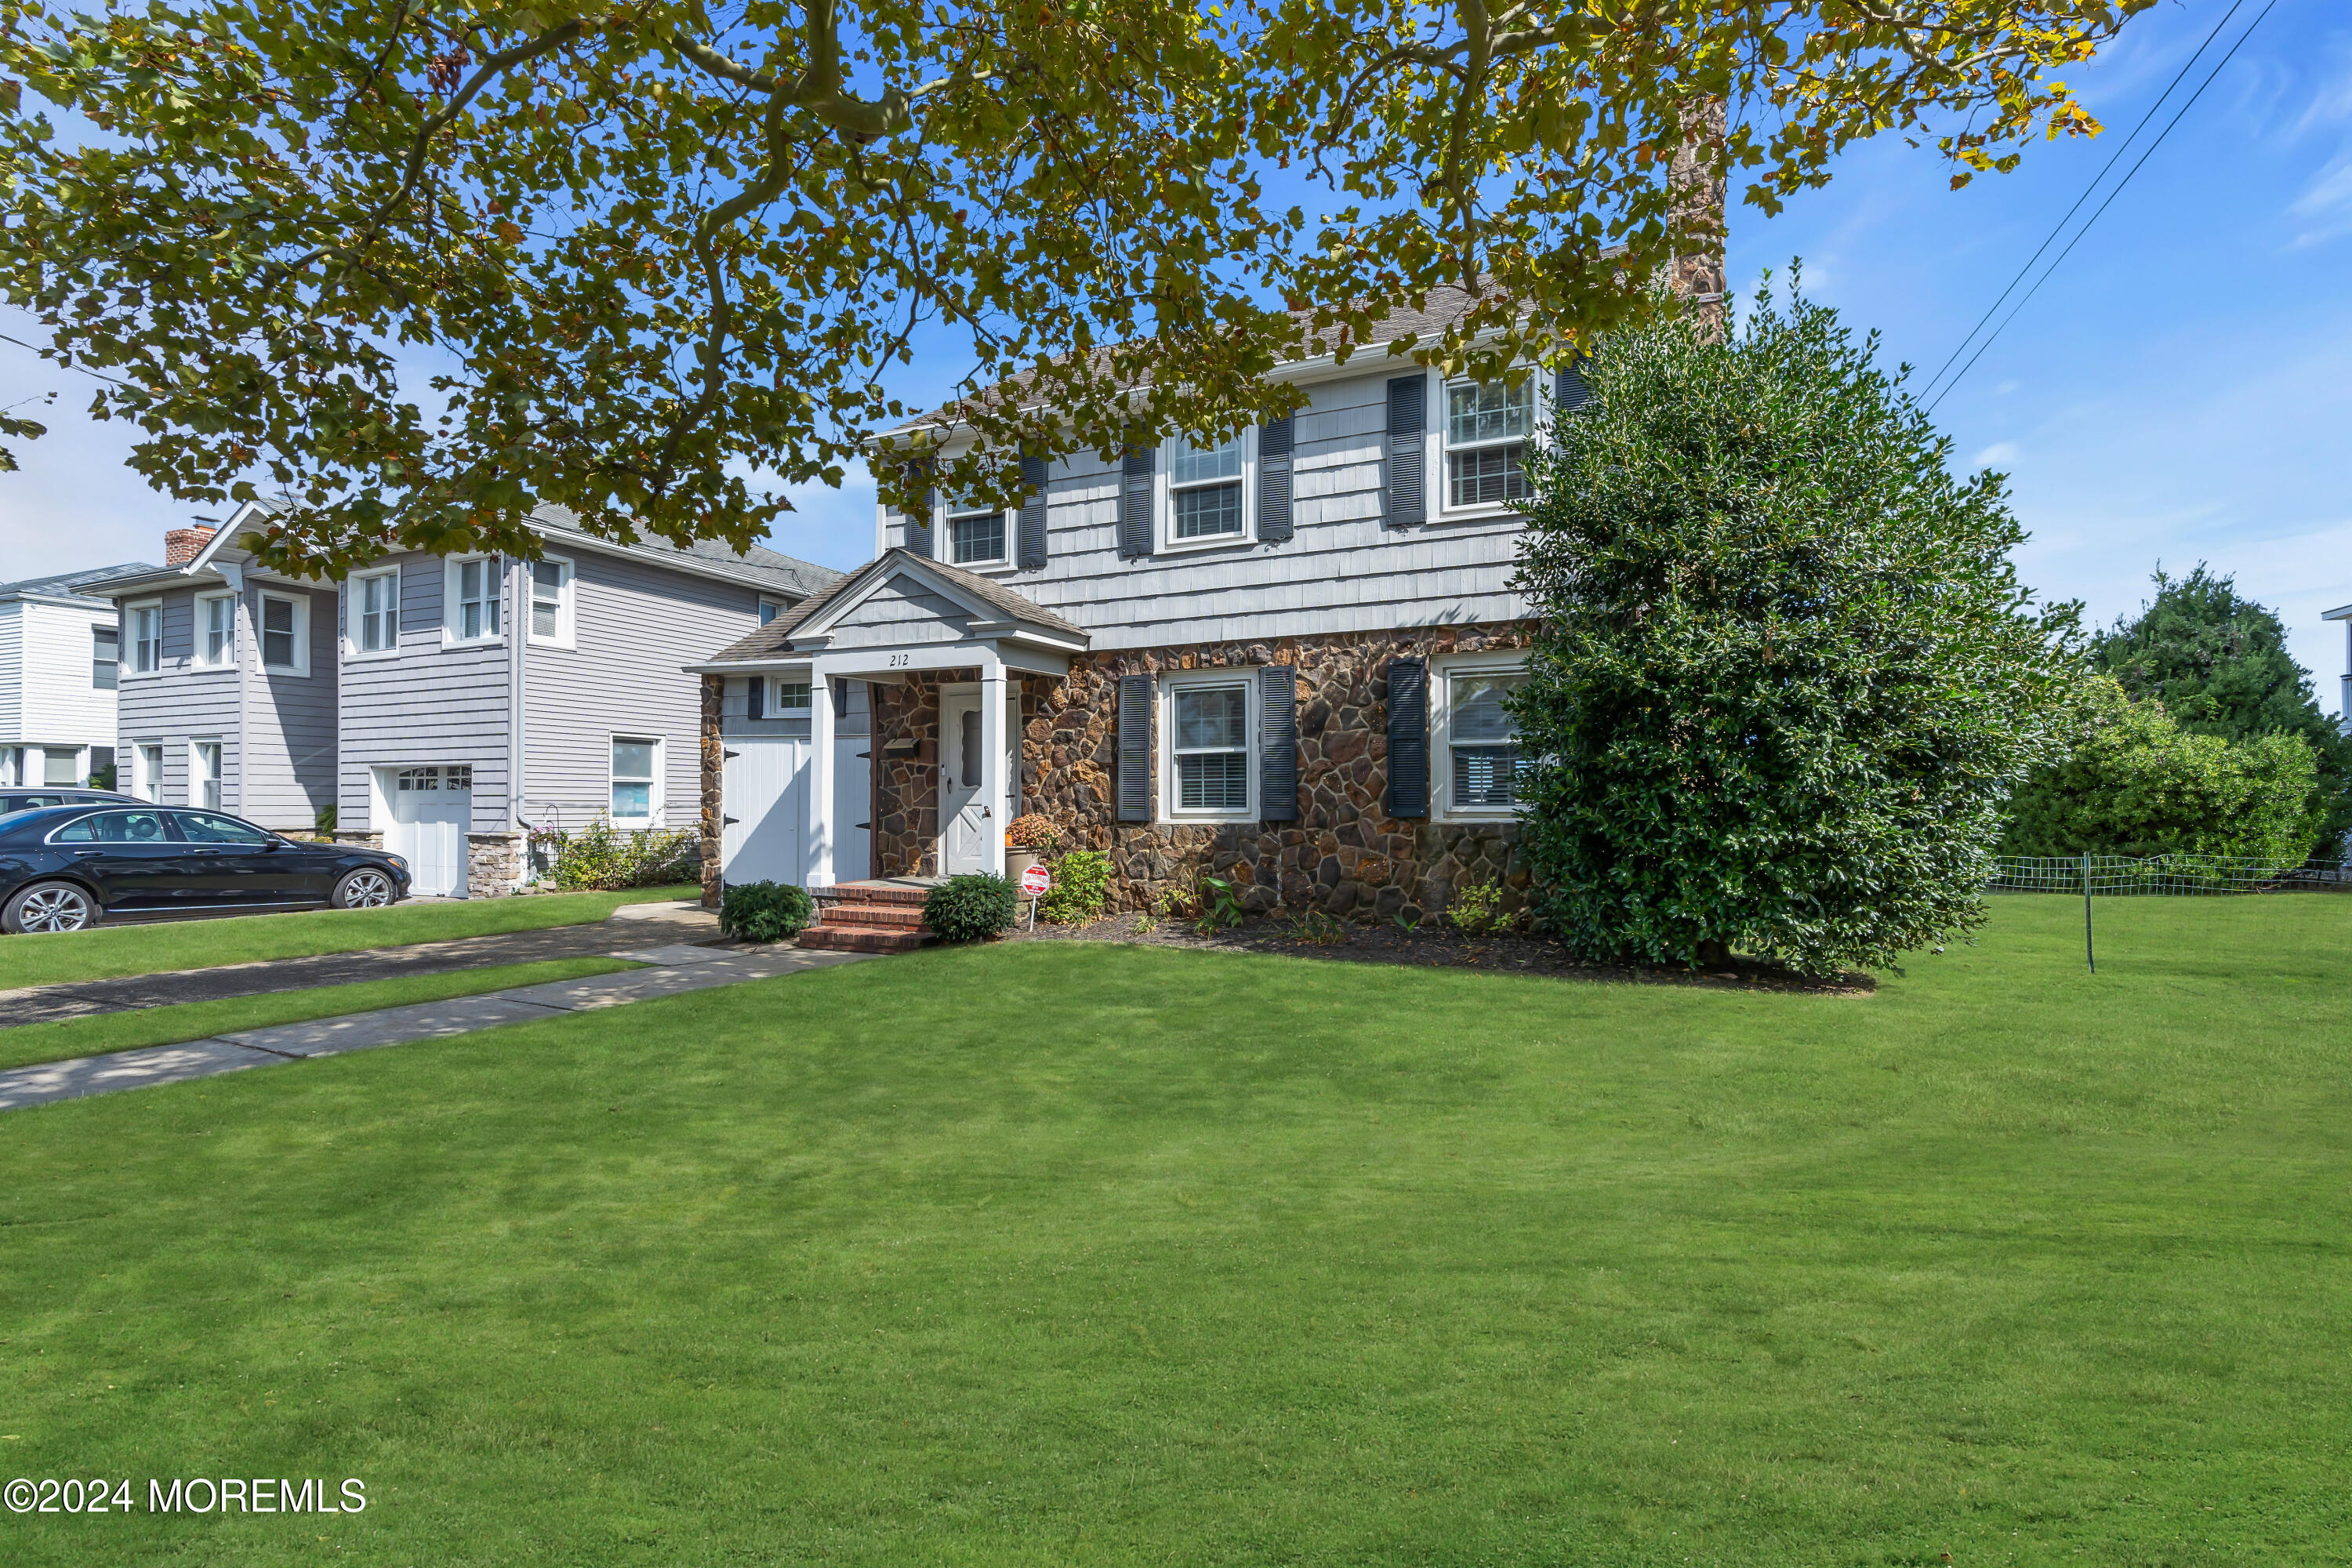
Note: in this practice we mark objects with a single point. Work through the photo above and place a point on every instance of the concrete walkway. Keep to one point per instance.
(87, 998)
(669, 971)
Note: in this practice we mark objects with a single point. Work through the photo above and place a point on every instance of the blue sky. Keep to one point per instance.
(2180, 390)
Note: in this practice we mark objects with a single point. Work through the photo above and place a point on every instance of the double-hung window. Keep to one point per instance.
(976, 535)
(375, 612)
(472, 583)
(285, 634)
(216, 629)
(1488, 431)
(205, 773)
(551, 601)
(146, 638)
(105, 656)
(1206, 499)
(1481, 739)
(147, 778)
(637, 780)
(1207, 729)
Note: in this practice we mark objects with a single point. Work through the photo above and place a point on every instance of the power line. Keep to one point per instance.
(2217, 68)
(2060, 227)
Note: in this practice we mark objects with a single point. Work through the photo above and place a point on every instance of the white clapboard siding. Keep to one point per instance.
(1341, 572)
(60, 705)
(11, 672)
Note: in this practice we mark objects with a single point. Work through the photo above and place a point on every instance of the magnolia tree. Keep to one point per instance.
(1785, 678)
(411, 268)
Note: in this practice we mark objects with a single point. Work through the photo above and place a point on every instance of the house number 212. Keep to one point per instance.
(900, 660)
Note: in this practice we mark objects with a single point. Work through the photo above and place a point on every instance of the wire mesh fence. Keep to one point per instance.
(2109, 876)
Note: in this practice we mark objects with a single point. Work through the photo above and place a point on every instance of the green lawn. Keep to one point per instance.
(113, 951)
(195, 1020)
(1075, 1254)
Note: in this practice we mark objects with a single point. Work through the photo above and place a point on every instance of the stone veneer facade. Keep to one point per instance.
(1344, 855)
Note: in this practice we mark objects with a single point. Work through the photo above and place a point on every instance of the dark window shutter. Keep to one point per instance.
(1273, 525)
(1277, 743)
(1135, 748)
(1569, 390)
(1407, 502)
(755, 698)
(1033, 513)
(919, 530)
(1408, 737)
(1135, 503)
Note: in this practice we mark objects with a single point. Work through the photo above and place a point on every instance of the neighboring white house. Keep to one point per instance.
(58, 657)
(2344, 614)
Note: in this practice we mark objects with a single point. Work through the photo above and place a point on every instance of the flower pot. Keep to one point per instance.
(1016, 861)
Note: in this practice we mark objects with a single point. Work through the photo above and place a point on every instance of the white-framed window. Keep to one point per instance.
(1209, 499)
(215, 630)
(975, 535)
(1486, 431)
(470, 589)
(1476, 740)
(456, 779)
(770, 609)
(105, 656)
(285, 632)
(146, 622)
(551, 601)
(205, 773)
(375, 613)
(1208, 725)
(147, 771)
(637, 781)
(62, 765)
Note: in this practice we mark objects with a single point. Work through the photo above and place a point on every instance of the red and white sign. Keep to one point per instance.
(1035, 881)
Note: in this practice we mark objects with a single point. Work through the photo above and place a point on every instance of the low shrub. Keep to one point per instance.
(602, 858)
(1081, 888)
(975, 907)
(765, 912)
(1477, 908)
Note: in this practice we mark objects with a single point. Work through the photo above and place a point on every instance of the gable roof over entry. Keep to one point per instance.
(901, 598)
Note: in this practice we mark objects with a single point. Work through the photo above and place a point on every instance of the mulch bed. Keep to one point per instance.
(1435, 944)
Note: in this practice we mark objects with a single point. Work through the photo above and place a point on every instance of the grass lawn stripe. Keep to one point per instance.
(156, 948)
(1069, 1254)
(125, 1031)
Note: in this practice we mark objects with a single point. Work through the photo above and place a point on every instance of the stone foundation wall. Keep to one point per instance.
(372, 840)
(493, 864)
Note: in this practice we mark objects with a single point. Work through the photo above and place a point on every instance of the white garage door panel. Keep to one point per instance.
(766, 797)
(429, 821)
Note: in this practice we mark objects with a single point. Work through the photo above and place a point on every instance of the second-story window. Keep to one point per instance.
(975, 536)
(375, 612)
(285, 634)
(1487, 428)
(473, 590)
(1205, 491)
(551, 601)
(105, 656)
(216, 628)
(146, 638)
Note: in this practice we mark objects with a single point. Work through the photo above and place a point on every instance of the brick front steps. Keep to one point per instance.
(869, 916)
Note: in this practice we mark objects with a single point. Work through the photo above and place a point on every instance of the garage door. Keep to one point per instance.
(431, 810)
(765, 792)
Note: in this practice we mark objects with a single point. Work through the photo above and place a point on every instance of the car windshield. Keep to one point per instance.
(114, 827)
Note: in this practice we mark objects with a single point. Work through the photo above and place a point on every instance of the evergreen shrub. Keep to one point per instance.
(975, 907)
(765, 912)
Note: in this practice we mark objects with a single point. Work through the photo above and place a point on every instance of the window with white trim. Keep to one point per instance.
(551, 600)
(637, 781)
(977, 535)
(146, 637)
(769, 610)
(1208, 721)
(216, 629)
(205, 773)
(105, 656)
(375, 612)
(1488, 428)
(285, 632)
(61, 765)
(1208, 497)
(147, 772)
(470, 587)
(1477, 738)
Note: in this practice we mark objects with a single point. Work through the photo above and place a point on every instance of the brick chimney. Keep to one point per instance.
(182, 545)
(1698, 185)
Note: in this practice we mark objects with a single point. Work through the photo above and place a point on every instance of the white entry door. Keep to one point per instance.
(765, 794)
(968, 841)
(432, 808)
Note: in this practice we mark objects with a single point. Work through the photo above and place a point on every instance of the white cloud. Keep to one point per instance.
(2000, 455)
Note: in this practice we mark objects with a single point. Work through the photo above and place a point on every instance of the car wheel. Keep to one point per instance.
(365, 888)
(50, 907)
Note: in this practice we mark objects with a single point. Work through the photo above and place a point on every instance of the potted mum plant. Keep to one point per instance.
(1031, 840)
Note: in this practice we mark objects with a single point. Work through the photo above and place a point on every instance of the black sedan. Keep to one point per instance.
(65, 868)
(25, 797)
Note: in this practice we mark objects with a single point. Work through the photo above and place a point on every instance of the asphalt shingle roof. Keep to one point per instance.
(761, 565)
(65, 582)
(773, 640)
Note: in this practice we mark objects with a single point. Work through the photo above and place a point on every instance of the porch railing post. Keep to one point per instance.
(992, 741)
(820, 784)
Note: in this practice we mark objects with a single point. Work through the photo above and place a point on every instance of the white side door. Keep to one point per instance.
(764, 795)
(968, 841)
(432, 807)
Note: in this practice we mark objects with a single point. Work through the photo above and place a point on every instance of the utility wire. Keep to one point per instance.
(2102, 206)
(2060, 227)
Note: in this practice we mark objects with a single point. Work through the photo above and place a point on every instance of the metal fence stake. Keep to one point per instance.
(2089, 957)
